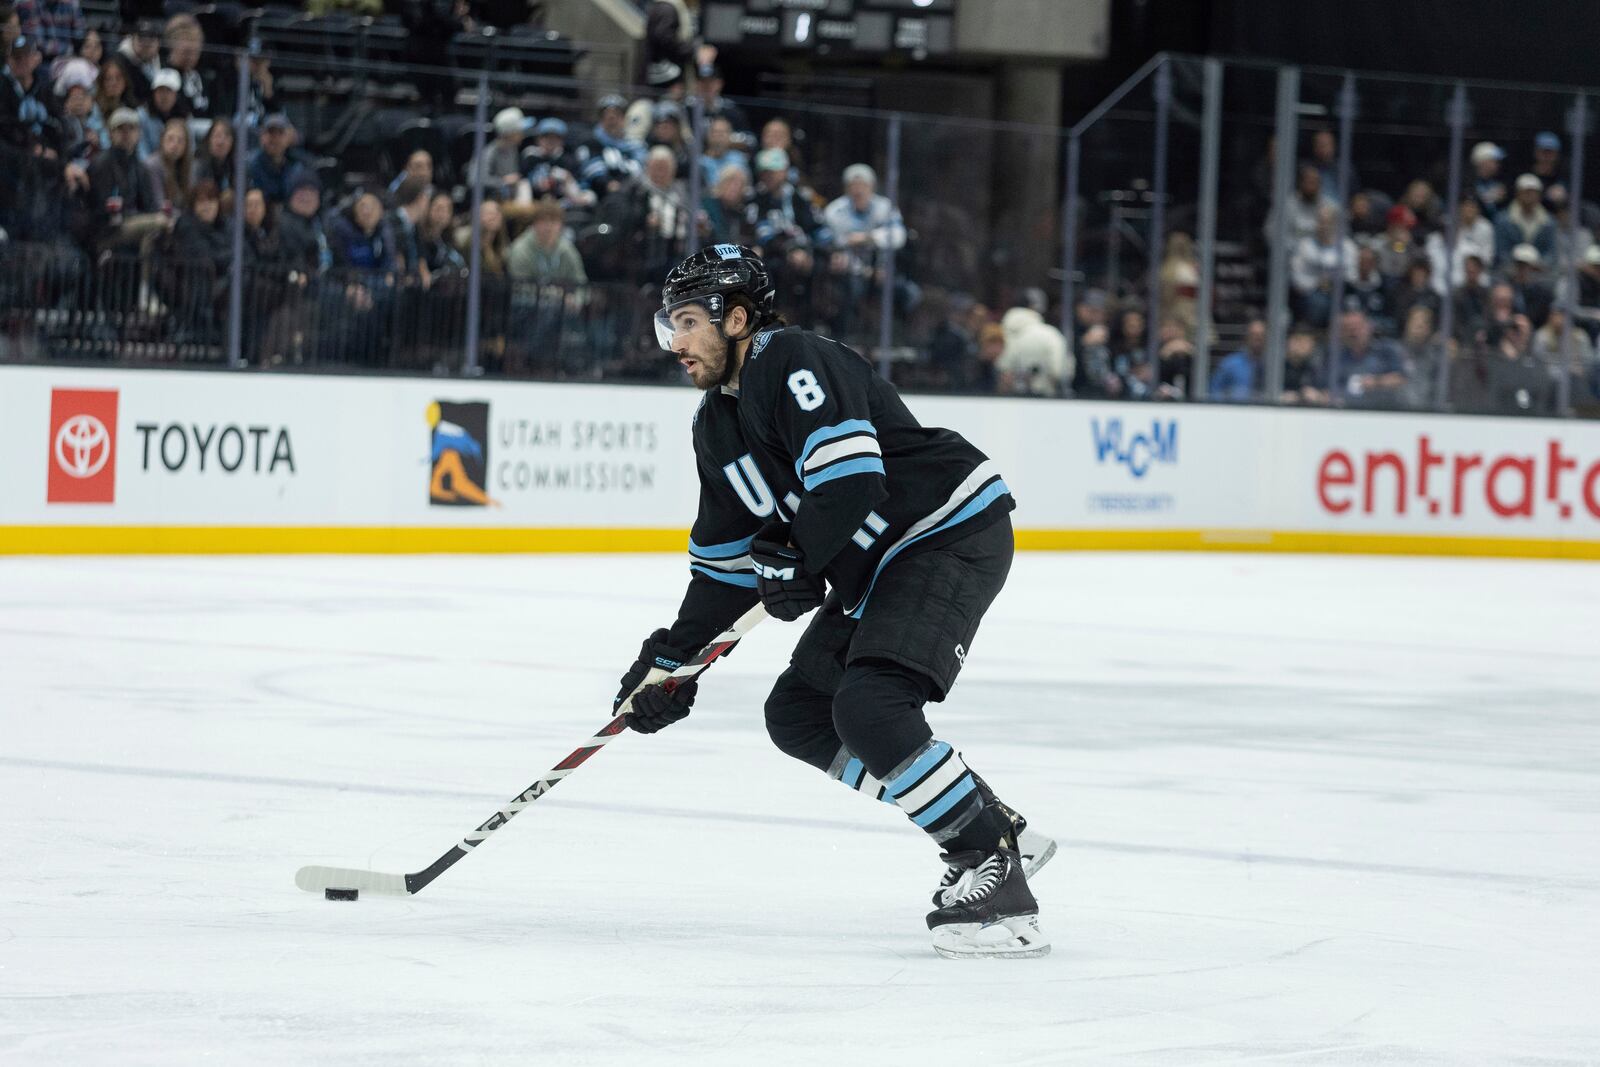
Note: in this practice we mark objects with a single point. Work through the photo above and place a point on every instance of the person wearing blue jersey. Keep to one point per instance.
(819, 491)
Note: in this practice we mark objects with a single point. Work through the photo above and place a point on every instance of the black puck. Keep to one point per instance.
(341, 894)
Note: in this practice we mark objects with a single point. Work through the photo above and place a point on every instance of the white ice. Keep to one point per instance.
(1313, 810)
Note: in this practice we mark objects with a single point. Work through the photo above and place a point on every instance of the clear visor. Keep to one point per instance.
(681, 323)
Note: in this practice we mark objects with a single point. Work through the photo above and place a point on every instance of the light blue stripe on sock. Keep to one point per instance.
(917, 769)
(946, 802)
(852, 773)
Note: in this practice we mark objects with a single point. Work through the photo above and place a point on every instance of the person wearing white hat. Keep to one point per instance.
(166, 102)
(500, 167)
(83, 128)
(1525, 221)
(1487, 185)
(122, 196)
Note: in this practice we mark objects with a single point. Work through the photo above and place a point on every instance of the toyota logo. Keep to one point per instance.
(82, 446)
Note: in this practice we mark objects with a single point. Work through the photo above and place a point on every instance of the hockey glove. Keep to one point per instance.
(654, 707)
(786, 589)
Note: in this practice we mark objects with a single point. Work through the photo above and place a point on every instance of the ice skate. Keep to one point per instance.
(995, 916)
(1032, 847)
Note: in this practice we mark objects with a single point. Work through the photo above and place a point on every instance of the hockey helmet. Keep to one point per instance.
(709, 277)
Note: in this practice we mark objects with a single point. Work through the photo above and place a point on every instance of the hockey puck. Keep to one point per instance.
(341, 894)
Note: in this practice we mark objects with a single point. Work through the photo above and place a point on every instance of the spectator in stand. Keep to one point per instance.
(213, 161)
(89, 48)
(1516, 383)
(719, 153)
(172, 167)
(56, 26)
(111, 89)
(1487, 185)
(1588, 314)
(28, 121)
(1416, 289)
(667, 213)
(500, 167)
(777, 133)
(667, 131)
(1571, 242)
(1525, 221)
(1423, 352)
(1238, 377)
(709, 88)
(1093, 375)
(438, 250)
(991, 350)
(1302, 369)
(1128, 343)
(549, 170)
(83, 127)
(1180, 281)
(419, 165)
(1368, 291)
(406, 223)
(195, 277)
(184, 41)
(1546, 165)
(10, 27)
(1425, 206)
(164, 105)
(669, 27)
(864, 226)
(261, 99)
(302, 240)
(1035, 360)
(1470, 298)
(1474, 237)
(1176, 354)
(260, 230)
(139, 56)
(1304, 206)
(1325, 157)
(788, 233)
(123, 203)
(726, 211)
(1318, 260)
(543, 254)
(609, 159)
(1398, 246)
(276, 166)
(1581, 360)
(1368, 369)
(1366, 219)
(1534, 294)
(360, 239)
(495, 243)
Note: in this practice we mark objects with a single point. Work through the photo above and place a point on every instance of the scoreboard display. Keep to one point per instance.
(915, 28)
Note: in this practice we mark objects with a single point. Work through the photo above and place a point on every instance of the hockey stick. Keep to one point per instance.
(352, 880)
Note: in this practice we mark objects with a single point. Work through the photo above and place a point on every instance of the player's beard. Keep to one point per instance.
(730, 365)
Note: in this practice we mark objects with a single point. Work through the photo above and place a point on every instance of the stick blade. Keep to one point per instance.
(317, 879)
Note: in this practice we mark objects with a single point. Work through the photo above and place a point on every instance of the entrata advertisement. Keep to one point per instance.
(82, 455)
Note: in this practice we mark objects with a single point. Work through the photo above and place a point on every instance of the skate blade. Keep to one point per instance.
(1039, 851)
(1018, 937)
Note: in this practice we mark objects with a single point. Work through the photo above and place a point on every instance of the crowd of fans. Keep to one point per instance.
(126, 153)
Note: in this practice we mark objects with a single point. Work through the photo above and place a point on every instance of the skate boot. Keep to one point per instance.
(995, 915)
(1032, 847)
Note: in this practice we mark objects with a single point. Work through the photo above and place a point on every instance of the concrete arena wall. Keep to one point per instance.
(173, 461)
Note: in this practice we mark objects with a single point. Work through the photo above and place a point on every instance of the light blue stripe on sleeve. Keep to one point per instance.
(726, 550)
(946, 802)
(828, 433)
(917, 770)
(864, 465)
(748, 581)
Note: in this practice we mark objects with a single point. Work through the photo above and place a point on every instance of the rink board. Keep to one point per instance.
(199, 462)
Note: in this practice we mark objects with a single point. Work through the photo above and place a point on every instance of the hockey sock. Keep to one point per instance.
(853, 773)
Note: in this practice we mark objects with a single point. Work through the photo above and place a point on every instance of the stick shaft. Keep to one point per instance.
(691, 669)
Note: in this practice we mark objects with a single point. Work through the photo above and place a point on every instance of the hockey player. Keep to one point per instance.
(813, 474)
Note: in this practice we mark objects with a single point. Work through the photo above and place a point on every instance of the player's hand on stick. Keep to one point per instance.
(786, 589)
(653, 706)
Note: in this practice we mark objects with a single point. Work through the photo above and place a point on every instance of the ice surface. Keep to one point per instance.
(1314, 810)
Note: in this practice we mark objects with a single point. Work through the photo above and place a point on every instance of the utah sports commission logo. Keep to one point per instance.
(83, 447)
(459, 451)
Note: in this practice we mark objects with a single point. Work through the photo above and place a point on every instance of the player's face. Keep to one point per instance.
(704, 352)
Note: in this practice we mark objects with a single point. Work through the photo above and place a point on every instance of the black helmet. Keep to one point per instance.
(719, 270)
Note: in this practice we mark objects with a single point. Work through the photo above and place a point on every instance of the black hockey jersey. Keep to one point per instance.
(815, 437)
